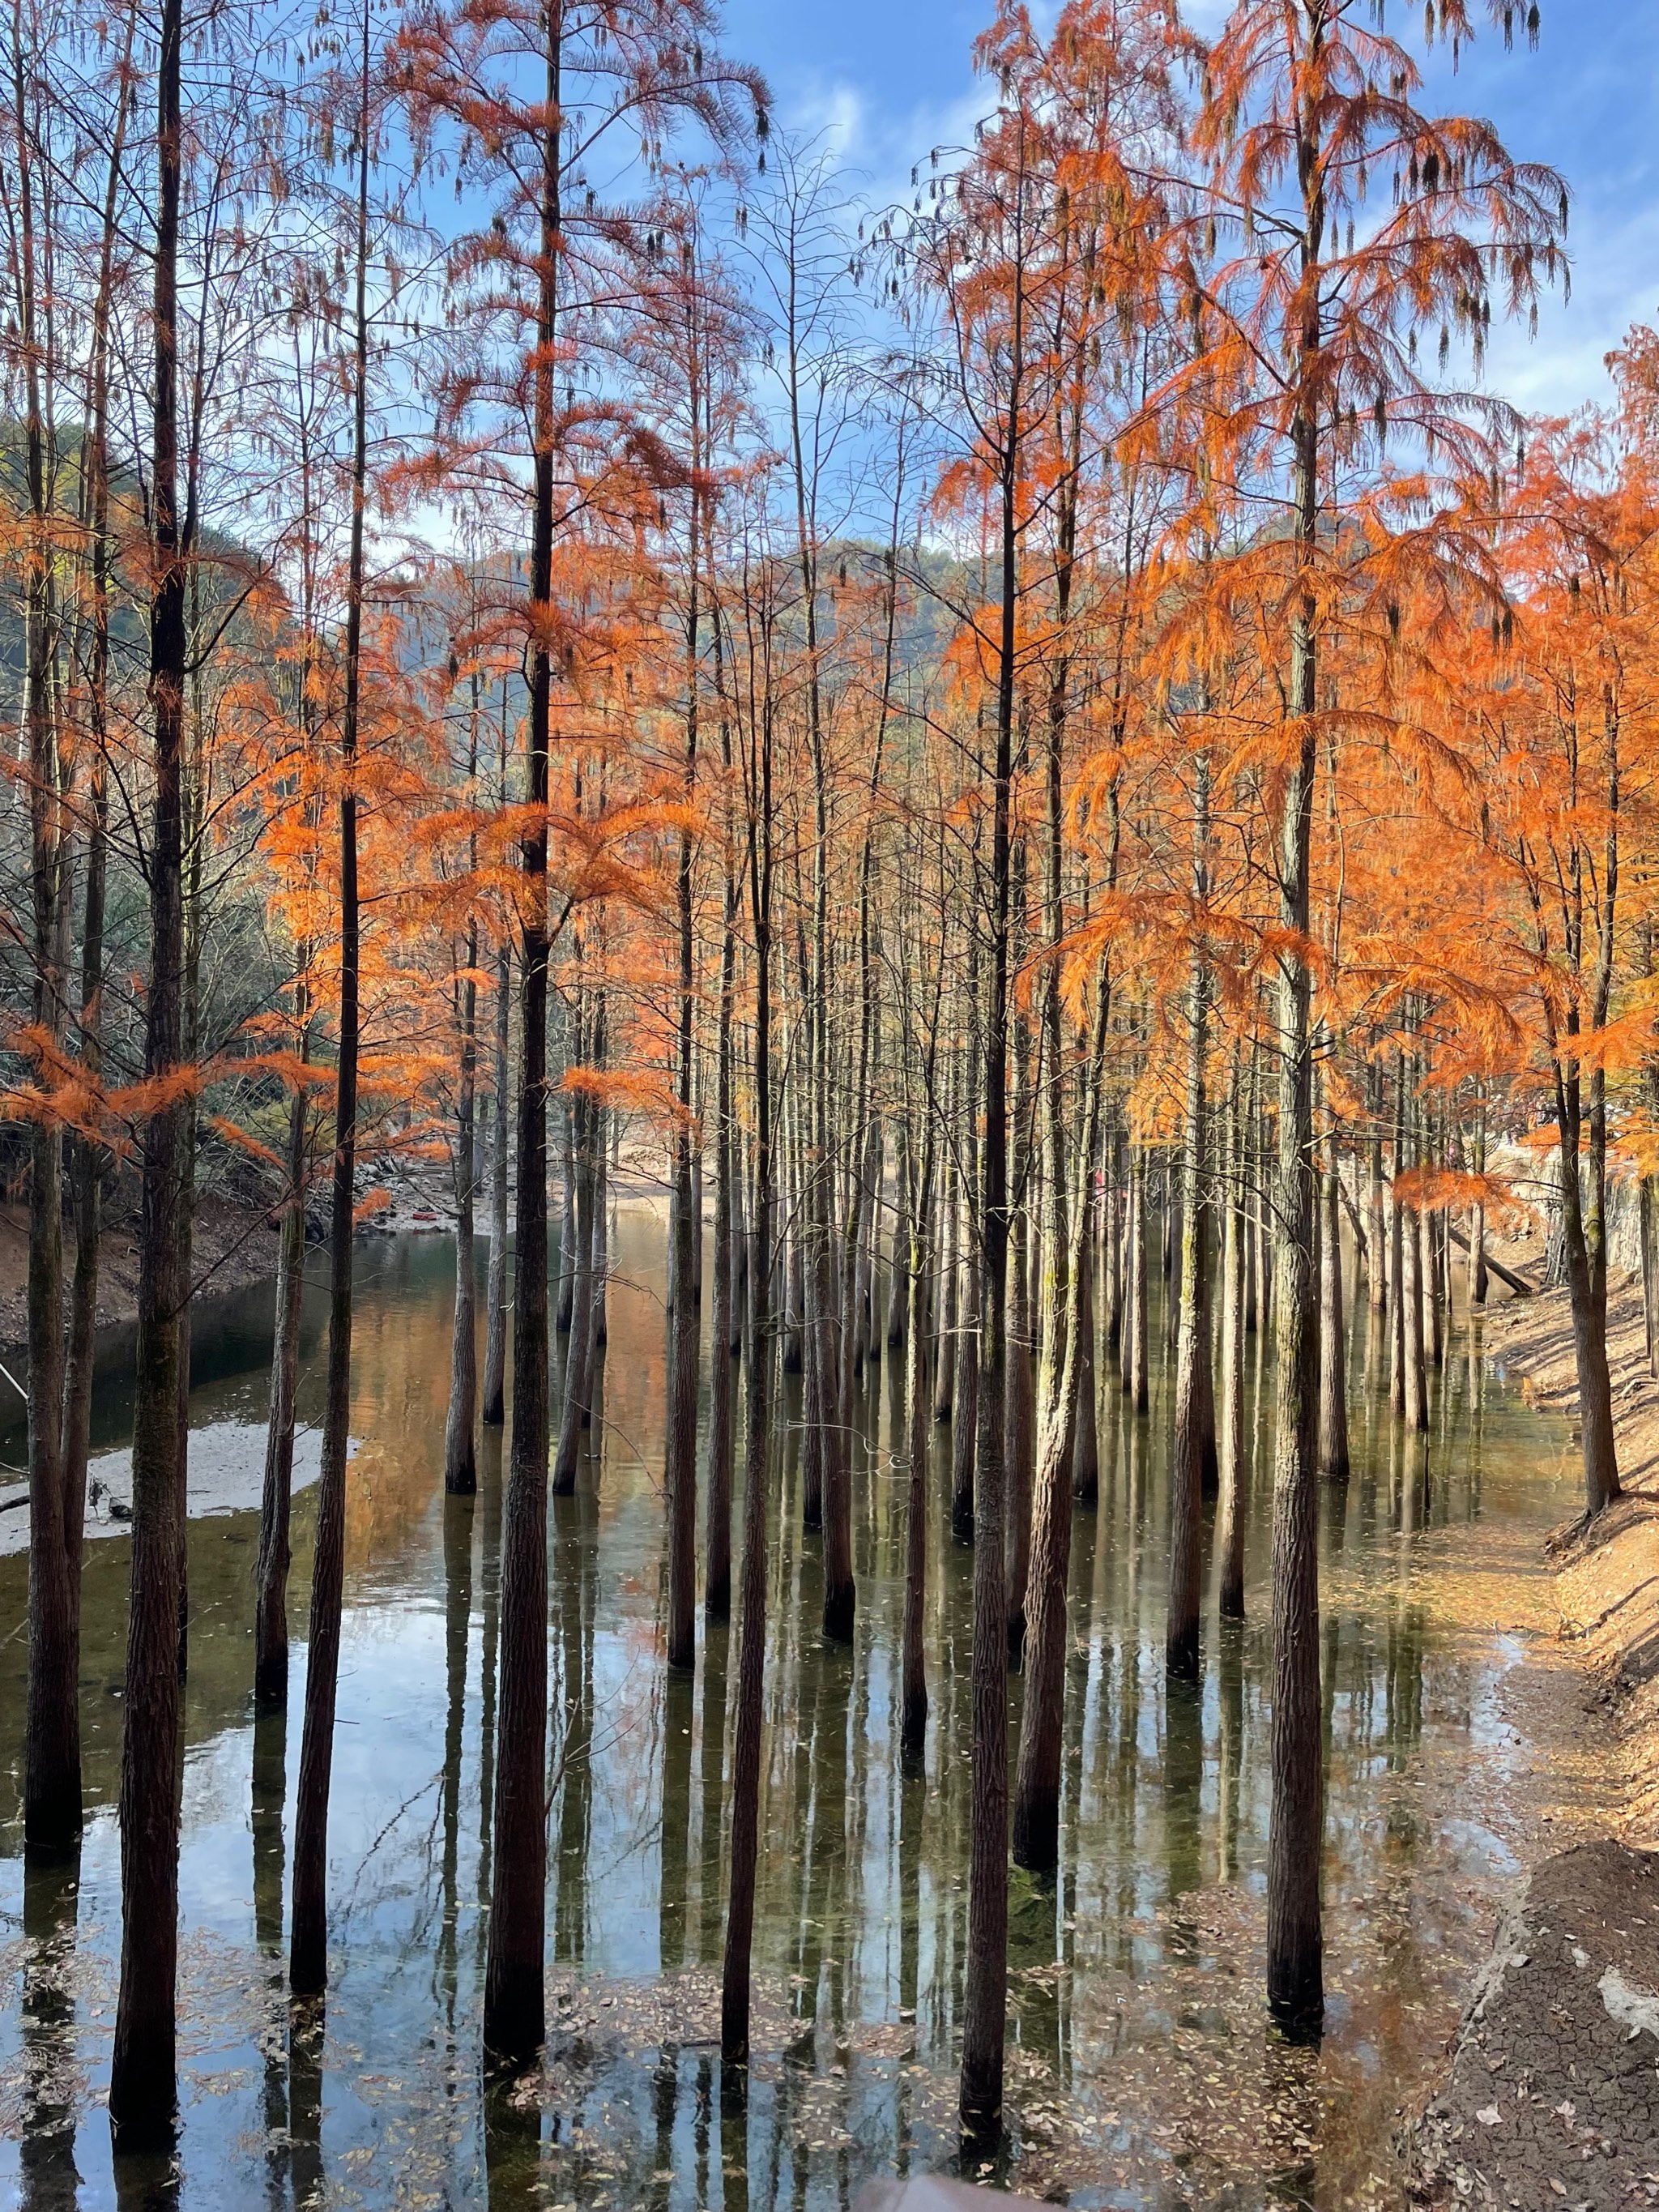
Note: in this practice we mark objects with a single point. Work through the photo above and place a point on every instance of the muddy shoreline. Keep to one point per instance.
(1551, 2095)
(233, 1247)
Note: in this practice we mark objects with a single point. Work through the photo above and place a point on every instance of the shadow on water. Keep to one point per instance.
(1141, 2067)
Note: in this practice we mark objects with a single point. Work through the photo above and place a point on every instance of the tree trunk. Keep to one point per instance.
(308, 1961)
(1067, 1312)
(898, 1270)
(1376, 1277)
(814, 1416)
(1085, 1440)
(605, 1126)
(1587, 1297)
(757, 1368)
(566, 1307)
(88, 1157)
(1019, 1387)
(912, 1721)
(143, 2093)
(1251, 1184)
(1296, 1833)
(1233, 1508)
(1477, 1283)
(271, 1594)
(840, 1594)
(1181, 1638)
(965, 1432)
(945, 1359)
(717, 1569)
(1417, 1389)
(1397, 1294)
(1112, 1229)
(1139, 1387)
(52, 1759)
(494, 1371)
(985, 1978)
(1333, 1331)
(460, 1471)
(579, 1356)
(794, 1268)
(515, 2004)
(52, 1765)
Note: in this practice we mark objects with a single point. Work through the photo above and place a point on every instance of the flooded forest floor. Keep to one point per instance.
(1490, 1716)
(1552, 2097)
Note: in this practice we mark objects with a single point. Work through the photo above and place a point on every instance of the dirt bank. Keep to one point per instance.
(1551, 2099)
(1607, 1576)
(232, 1248)
(1554, 2095)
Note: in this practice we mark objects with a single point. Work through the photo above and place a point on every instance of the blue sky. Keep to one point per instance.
(887, 79)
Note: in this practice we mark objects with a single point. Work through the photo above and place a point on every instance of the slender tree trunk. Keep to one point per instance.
(143, 2096)
(567, 1241)
(308, 1963)
(912, 1721)
(194, 805)
(514, 2003)
(945, 1360)
(1250, 1188)
(840, 1594)
(1066, 1312)
(1376, 1277)
(1477, 1283)
(813, 1441)
(1113, 1228)
(757, 1369)
(964, 1431)
(494, 1409)
(685, 1216)
(274, 1557)
(1020, 1385)
(1413, 1288)
(51, 1763)
(681, 1483)
(87, 1181)
(575, 1408)
(1397, 1335)
(717, 1568)
(1139, 1386)
(1125, 1265)
(460, 1470)
(605, 1126)
(88, 1156)
(1587, 1299)
(795, 1273)
(985, 1979)
(1333, 1330)
(1086, 1441)
(1234, 1505)
(898, 1270)
(1296, 1832)
(1181, 1640)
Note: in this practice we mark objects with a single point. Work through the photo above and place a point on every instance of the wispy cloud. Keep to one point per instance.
(882, 82)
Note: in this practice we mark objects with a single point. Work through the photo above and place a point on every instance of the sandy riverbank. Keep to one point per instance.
(225, 1474)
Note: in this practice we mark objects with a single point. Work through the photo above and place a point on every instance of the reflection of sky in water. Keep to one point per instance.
(1135, 1976)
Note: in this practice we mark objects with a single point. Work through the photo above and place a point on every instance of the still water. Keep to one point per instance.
(1142, 2068)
